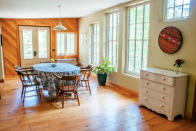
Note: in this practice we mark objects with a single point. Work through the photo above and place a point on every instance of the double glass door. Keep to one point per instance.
(34, 45)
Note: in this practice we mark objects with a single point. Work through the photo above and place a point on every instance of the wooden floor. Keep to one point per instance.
(106, 109)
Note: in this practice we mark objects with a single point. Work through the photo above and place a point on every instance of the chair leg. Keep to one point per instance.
(57, 95)
(40, 93)
(24, 94)
(89, 87)
(82, 84)
(76, 93)
(22, 91)
(86, 84)
(63, 99)
(37, 90)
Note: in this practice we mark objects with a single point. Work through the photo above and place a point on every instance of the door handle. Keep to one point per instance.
(35, 53)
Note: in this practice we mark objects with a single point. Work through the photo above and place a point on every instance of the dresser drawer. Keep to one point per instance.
(156, 95)
(158, 78)
(155, 105)
(148, 102)
(156, 86)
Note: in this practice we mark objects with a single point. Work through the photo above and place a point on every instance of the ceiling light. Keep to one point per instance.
(59, 27)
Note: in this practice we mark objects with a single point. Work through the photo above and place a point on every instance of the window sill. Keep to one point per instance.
(176, 20)
(131, 75)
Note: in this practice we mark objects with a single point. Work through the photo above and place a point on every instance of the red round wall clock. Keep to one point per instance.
(170, 40)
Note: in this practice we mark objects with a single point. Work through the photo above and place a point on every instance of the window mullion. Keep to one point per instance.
(174, 8)
(112, 37)
(182, 8)
(128, 32)
(92, 45)
(108, 35)
(70, 42)
(117, 34)
(96, 43)
(65, 43)
(142, 37)
(59, 44)
(135, 39)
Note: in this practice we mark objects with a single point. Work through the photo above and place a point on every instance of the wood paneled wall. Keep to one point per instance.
(11, 43)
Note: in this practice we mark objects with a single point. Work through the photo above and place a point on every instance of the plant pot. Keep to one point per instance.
(102, 78)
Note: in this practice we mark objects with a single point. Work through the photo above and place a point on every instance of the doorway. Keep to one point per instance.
(34, 44)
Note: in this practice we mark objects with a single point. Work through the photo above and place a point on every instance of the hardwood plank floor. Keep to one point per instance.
(106, 109)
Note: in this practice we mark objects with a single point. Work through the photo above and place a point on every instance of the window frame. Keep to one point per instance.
(107, 35)
(126, 71)
(174, 19)
(92, 26)
(65, 39)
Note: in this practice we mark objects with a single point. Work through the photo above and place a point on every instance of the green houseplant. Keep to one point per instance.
(103, 70)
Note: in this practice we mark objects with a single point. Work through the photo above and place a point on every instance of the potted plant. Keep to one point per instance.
(103, 70)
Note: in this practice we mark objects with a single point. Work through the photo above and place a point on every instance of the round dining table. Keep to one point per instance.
(46, 71)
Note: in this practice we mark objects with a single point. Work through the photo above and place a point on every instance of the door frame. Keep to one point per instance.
(18, 40)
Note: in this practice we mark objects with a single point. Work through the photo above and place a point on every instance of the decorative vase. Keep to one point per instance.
(179, 70)
(102, 78)
(53, 64)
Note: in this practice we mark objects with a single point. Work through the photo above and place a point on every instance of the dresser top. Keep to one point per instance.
(165, 72)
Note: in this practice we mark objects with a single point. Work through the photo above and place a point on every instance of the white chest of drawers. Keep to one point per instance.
(163, 91)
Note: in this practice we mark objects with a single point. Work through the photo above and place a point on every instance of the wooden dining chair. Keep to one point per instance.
(29, 69)
(24, 69)
(29, 79)
(86, 73)
(79, 64)
(67, 84)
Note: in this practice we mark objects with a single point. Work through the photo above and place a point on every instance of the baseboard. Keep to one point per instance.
(122, 89)
(1, 80)
(188, 115)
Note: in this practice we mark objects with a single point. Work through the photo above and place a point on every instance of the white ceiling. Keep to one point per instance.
(49, 9)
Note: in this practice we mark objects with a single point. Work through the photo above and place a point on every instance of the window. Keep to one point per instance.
(65, 43)
(95, 44)
(43, 43)
(137, 43)
(176, 9)
(112, 37)
(28, 43)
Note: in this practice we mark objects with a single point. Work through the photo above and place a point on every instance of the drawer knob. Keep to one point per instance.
(145, 99)
(161, 106)
(147, 83)
(146, 91)
(162, 97)
(146, 75)
(163, 88)
(164, 79)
